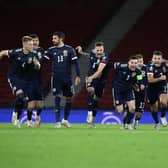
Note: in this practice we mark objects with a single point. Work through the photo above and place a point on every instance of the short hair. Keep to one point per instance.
(59, 34)
(132, 57)
(99, 43)
(26, 39)
(34, 36)
(156, 52)
(139, 56)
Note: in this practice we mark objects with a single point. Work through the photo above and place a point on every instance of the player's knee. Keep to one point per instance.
(163, 106)
(138, 115)
(154, 108)
(119, 110)
(97, 98)
(163, 103)
(39, 105)
(132, 109)
(31, 106)
(91, 90)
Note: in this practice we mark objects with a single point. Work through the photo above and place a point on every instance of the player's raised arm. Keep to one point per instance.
(4, 53)
(81, 52)
(119, 65)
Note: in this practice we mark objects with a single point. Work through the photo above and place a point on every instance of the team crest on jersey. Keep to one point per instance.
(143, 73)
(150, 68)
(65, 53)
(98, 61)
(39, 55)
(133, 74)
(30, 60)
(19, 58)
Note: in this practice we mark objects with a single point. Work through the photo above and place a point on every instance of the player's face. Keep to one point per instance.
(99, 51)
(140, 62)
(132, 64)
(56, 40)
(157, 59)
(28, 45)
(35, 43)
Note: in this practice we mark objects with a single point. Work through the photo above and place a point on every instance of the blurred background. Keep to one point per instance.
(126, 26)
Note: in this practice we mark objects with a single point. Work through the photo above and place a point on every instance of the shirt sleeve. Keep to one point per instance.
(12, 53)
(73, 54)
(104, 60)
(48, 53)
(119, 66)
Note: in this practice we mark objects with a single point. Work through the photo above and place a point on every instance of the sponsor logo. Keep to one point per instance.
(110, 118)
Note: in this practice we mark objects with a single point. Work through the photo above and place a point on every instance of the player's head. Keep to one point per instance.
(157, 57)
(36, 42)
(132, 62)
(27, 43)
(99, 49)
(58, 38)
(140, 60)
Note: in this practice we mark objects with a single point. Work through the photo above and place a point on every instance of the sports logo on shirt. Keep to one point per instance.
(30, 60)
(39, 55)
(19, 58)
(150, 68)
(133, 74)
(65, 53)
(143, 73)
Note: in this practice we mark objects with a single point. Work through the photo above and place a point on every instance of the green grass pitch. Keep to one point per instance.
(80, 147)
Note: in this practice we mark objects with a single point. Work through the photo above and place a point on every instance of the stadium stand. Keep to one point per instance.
(79, 25)
(147, 35)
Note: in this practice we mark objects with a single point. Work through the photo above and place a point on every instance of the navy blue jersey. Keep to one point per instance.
(157, 71)
(126, 78)
(143, 70)
(94, 64)
(62, 59)
(41, 58)
(21, 65)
